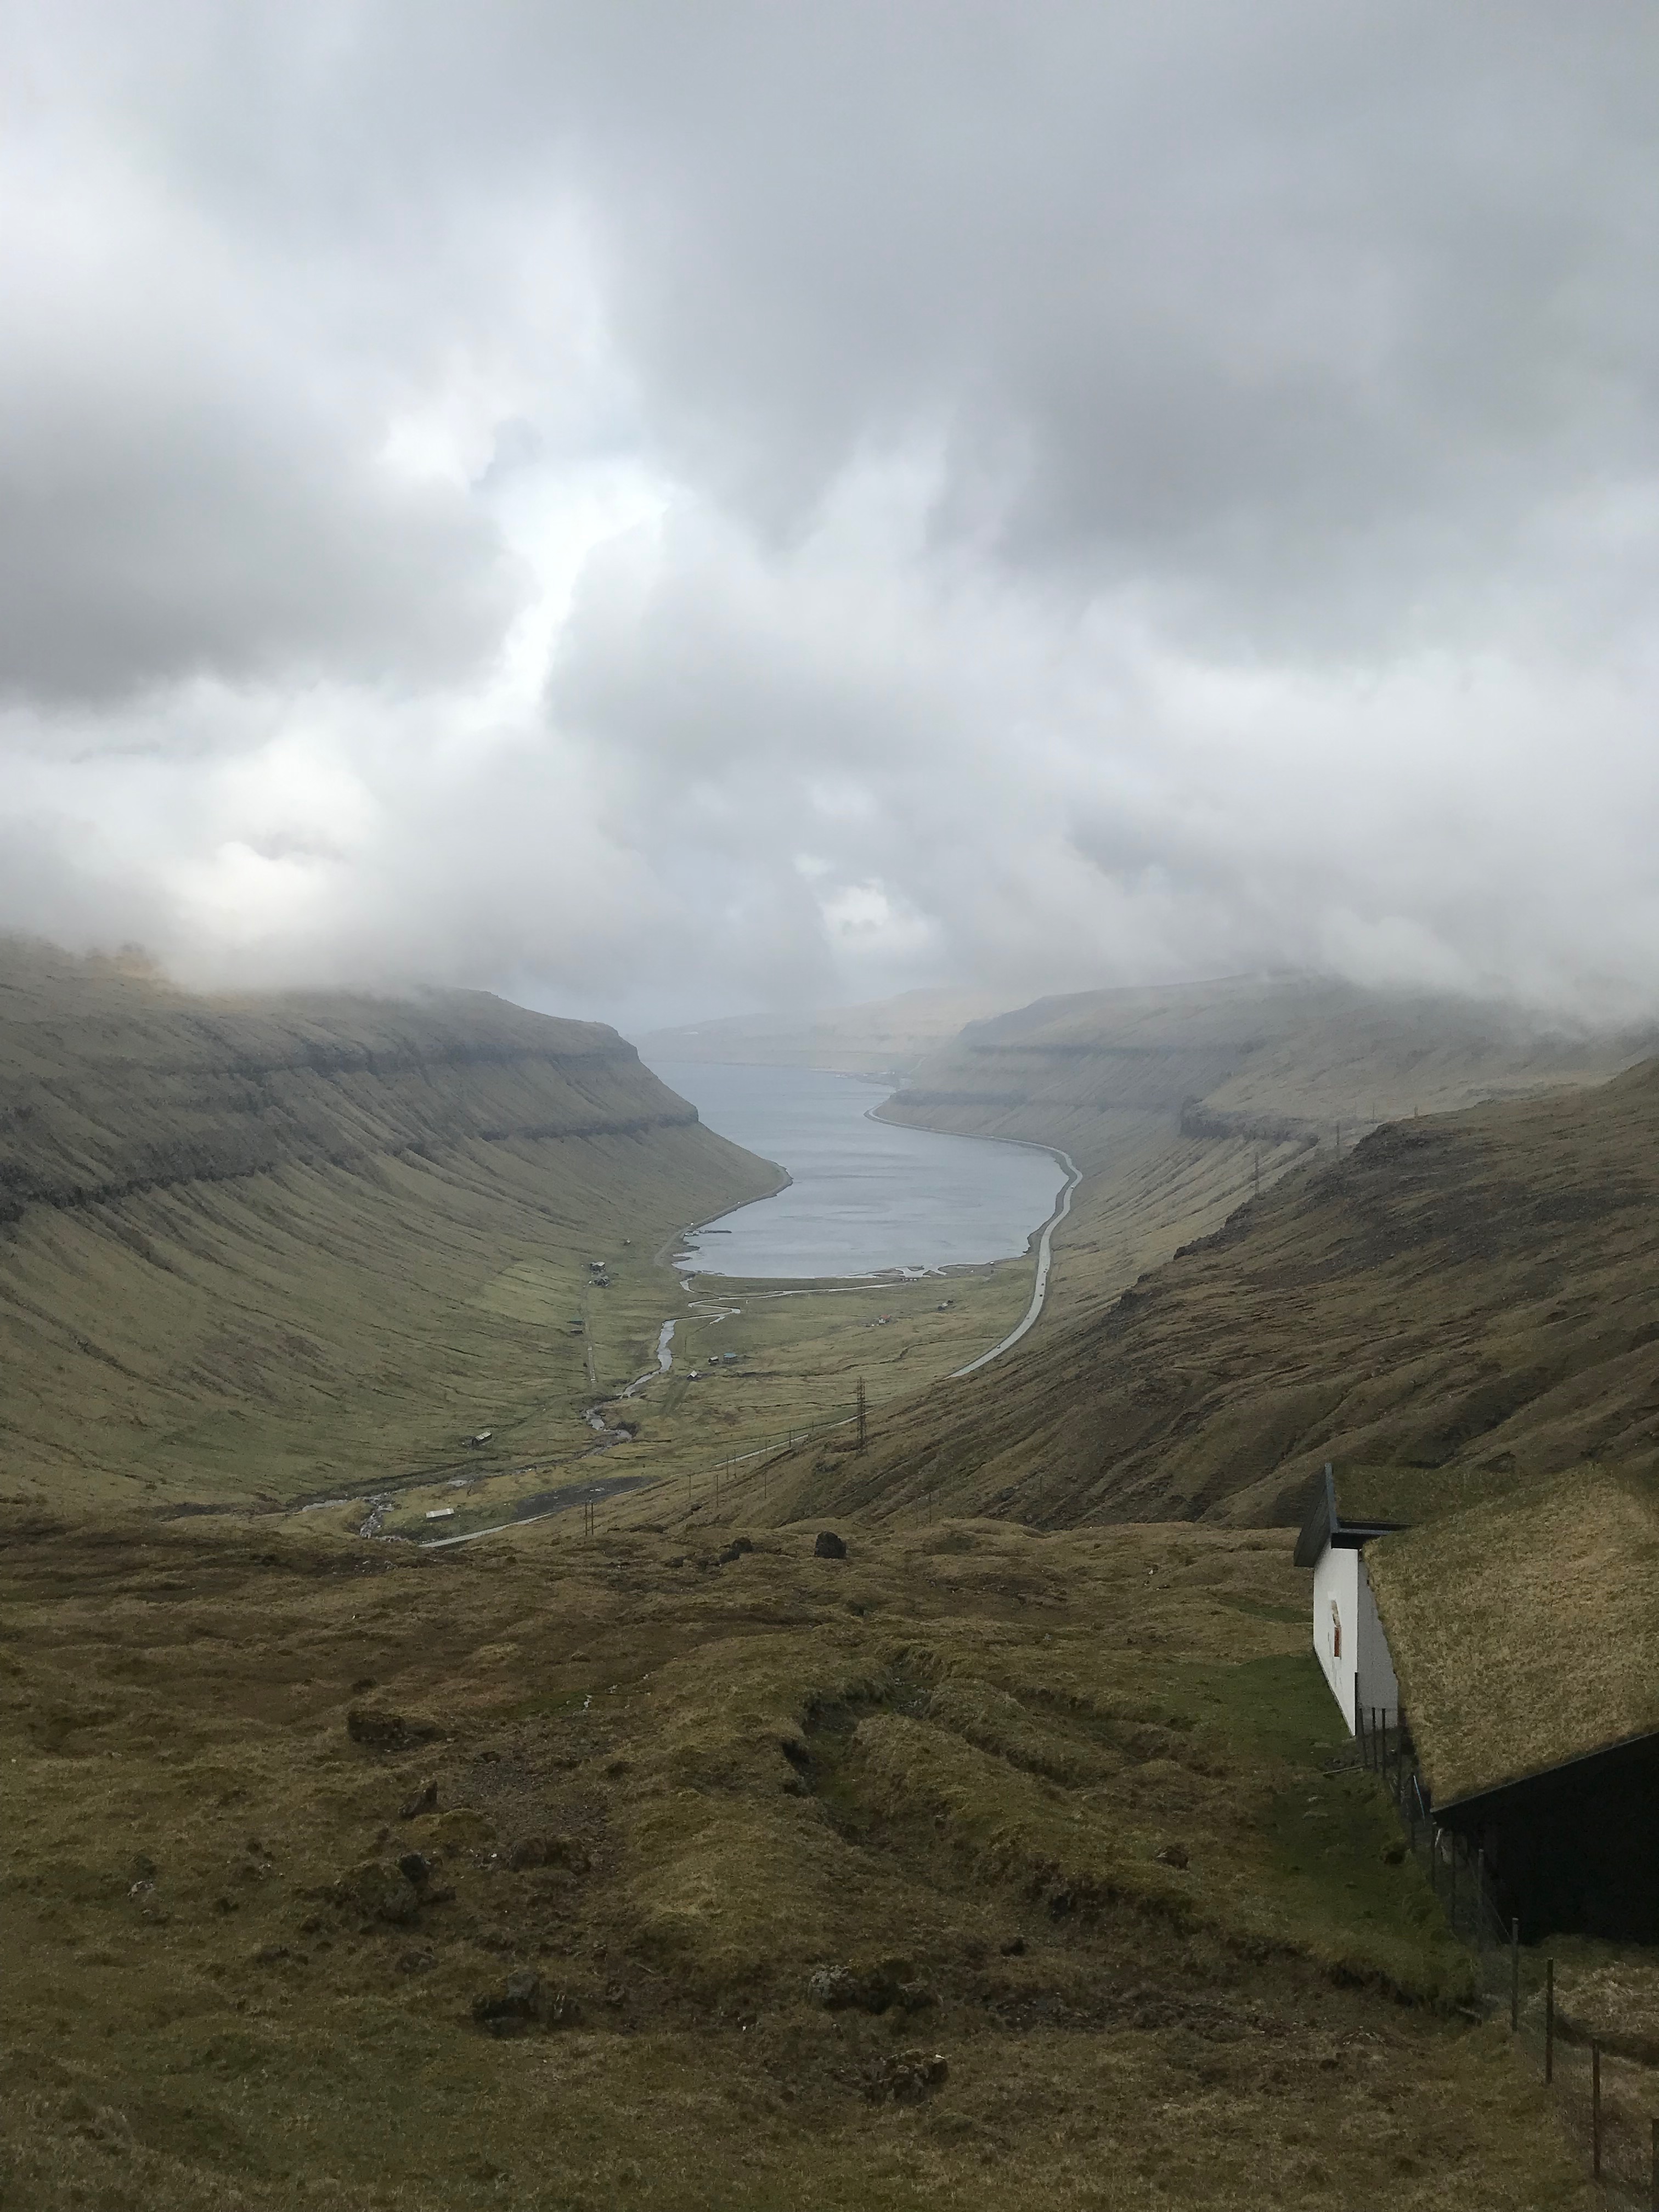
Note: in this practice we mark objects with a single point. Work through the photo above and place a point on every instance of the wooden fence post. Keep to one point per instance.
(1515, 1977)
(1595, 2110)
(1549, 2019)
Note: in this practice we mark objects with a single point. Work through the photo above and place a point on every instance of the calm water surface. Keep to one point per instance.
(865, 1195)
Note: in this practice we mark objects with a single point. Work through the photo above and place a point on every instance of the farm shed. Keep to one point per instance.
(1524, 1630)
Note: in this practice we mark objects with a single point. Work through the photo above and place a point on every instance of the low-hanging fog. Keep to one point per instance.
(664, 509)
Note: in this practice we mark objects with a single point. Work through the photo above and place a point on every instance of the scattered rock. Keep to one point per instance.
(525, 2002)
(378, 1893)
(1173, 1854)
(1393, 1854)
(1014, 1948)
(872, 1988)
(425, 1800)
(272, 1955)
(142, 1868)
(382, 1731)
(734, 1550)
(547, 1850)
(833, 1987)
(417, 1962)
(828, 1546)
(906, 2077)
(462, 1830)
(415, 1869)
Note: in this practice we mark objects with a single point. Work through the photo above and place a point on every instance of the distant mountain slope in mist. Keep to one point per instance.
(1273, 1057)
(1181, 1101)
(884, 1038)
(249, 1245)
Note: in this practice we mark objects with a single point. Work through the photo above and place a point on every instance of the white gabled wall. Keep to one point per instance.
(1345, 1614)
(1336, 1622)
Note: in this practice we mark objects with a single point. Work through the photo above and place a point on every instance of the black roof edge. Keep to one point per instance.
(1320, 1525)
(1480, 1801)
(1351, 1535)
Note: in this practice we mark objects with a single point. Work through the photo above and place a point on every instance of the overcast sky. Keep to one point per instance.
(667, 508)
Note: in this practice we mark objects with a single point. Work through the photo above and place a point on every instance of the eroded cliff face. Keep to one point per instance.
(110, 1083)
(262, 1246)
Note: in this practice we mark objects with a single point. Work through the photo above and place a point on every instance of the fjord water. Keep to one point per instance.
(865, 1195)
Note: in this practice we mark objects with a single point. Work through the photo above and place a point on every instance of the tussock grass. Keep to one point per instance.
(677, 1789)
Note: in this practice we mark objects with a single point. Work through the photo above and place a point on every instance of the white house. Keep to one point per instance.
(1348, 1631)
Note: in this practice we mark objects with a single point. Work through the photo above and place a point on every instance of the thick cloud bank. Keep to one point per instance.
(671, 508)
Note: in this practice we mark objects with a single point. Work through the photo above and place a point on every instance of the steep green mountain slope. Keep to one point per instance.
(1474, 1293)
(261, 1246)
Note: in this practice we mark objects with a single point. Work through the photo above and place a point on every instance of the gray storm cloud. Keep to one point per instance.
(854, 496)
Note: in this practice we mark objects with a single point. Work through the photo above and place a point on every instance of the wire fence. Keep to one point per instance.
(1605, 2093)
(747, 1474)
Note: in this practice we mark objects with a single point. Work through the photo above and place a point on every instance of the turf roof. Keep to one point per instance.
(1525, 1630)
(1403, 1496)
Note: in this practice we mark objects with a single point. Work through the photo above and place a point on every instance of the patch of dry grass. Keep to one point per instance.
(676, 1789)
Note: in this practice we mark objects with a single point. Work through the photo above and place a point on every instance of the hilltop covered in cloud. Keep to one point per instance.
(668, 510)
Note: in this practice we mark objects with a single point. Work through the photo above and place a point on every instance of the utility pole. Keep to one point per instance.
(863, 1426)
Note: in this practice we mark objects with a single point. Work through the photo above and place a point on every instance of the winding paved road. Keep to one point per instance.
(1039, 1287)
(666, 1338)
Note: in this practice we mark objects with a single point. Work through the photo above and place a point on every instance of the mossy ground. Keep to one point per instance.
(967, 1759)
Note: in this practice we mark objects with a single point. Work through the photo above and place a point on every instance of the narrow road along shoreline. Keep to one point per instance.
(1040, 1286)
(665, 1339)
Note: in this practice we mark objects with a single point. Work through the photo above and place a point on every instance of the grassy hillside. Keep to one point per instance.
(1472, 1293)
(975, 1869)
(1182, 1102)
(263, 1246)
(1273, 1060)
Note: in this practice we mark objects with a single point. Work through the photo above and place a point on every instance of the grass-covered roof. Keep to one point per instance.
(1403, 1496)
(1525, 1629)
